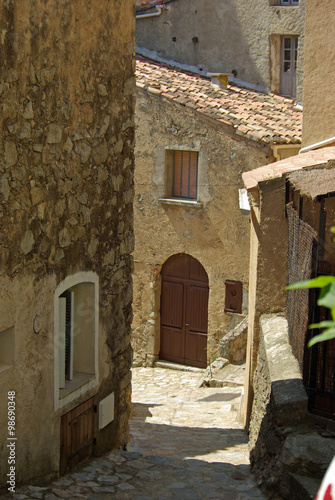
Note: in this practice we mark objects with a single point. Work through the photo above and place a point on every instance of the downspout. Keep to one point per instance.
(317, 145)
(153, 14)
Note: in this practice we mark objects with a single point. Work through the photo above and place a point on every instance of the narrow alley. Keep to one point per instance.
(186, 443)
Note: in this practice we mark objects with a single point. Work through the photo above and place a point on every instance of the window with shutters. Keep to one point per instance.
(284, 2)
(288, 2)
(76, 333)
(181, 174)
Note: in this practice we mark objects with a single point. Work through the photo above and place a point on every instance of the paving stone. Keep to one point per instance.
(125, 486)
(186, 445)
(104, 489)
(83, 476)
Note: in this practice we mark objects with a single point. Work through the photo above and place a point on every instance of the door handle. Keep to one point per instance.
(187, 324)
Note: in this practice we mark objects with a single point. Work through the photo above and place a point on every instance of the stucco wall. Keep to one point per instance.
(231, 35)
(66, 153)
(319, 117)
(215, 233)
(268, 268)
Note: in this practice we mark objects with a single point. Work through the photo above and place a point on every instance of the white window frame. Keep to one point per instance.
(66, 391)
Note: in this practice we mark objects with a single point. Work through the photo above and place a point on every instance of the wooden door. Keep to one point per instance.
(77, 435)
(184, 311)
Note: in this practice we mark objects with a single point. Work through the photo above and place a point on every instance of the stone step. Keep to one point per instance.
(178, 367)
(303, 487)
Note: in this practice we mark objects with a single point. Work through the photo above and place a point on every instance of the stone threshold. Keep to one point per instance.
(176, 366)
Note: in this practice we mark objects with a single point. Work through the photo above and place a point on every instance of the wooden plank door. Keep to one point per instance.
(184, 311)
(196, 325)
(172, 322)
(77, 435)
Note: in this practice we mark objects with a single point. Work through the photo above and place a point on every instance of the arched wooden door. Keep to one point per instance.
(184, 311)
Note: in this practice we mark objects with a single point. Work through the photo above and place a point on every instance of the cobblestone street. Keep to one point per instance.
(185, 444)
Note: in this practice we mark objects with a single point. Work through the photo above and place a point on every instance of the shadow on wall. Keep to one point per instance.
(204, 34)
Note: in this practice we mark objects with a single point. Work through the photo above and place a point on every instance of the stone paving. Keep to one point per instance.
(186, 444)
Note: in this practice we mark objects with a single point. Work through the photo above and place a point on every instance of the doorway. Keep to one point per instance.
(184, 311)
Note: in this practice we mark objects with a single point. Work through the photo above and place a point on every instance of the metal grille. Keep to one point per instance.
(301, 237)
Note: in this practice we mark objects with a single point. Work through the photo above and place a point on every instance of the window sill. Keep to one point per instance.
(180, 202)
(4, 367)
(79, 379)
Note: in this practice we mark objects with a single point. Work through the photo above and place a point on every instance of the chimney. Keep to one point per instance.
(219, 79)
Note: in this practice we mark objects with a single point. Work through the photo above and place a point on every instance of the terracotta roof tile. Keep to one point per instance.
(266, 117)
(292, 164)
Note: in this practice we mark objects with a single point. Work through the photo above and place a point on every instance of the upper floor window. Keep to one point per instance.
(181, 174)
(288, 2)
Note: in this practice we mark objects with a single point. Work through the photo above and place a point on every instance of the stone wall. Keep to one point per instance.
(289, 452)
(66, 192)
(215, 232)
(231, 36)
(280, 404)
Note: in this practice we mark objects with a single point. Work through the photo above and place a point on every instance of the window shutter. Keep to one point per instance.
(177, 178)
(185, 172)
(193, 174)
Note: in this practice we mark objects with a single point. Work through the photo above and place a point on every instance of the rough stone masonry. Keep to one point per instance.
(66, 189)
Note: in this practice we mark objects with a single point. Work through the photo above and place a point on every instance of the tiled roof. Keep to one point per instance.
(285, 167)
(261, 117)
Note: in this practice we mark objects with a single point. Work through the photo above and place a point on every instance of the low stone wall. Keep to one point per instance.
(279, 407)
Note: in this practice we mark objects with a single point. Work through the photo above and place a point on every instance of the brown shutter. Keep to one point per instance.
(177, 173)
(193, 174)
(185, 172)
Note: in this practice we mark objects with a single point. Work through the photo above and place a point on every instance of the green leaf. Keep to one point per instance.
(319, 282)
(323, 324)
(326, 335)
(327, 296)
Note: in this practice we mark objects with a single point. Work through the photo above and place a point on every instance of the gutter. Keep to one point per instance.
(317, 145)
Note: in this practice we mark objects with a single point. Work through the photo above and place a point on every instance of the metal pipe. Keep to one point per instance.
(153, 14)
(317, 145)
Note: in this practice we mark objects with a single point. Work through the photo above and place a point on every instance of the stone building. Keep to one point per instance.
(193, 141)
(66, 194)
(259, 42)
(290, 388)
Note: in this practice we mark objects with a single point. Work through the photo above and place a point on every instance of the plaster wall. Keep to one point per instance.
(215, 232)
(268, 269)
(66, 193)
(231, 36)
(319, 116)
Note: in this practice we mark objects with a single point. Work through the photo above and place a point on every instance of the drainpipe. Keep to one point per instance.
(317, 145)
(153, 14)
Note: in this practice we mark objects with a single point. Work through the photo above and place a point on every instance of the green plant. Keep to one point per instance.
(326, 299)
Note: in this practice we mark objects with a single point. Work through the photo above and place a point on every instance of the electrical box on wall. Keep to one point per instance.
(106, 411)
(234, 293)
